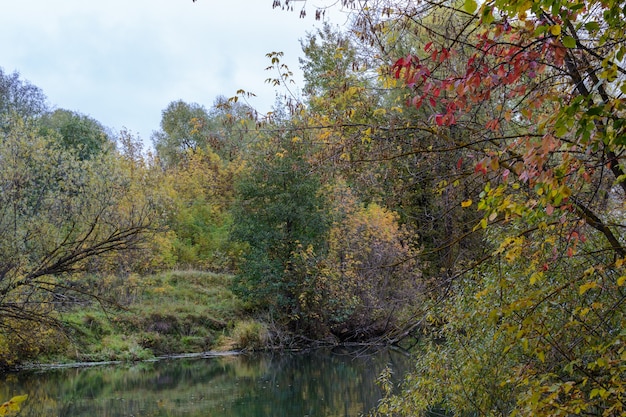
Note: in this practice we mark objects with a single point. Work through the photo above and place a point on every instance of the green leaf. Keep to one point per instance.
(568, 42)
(487, 15)
(470, 6)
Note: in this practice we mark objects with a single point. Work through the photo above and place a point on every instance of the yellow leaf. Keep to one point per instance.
(541, 356)
(466, 203)
(13, 404)
(555, 30)
(586, 287)
(621, 280)
(481, 294)
(537, 276)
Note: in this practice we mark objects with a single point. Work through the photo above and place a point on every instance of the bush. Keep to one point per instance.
(247, 335)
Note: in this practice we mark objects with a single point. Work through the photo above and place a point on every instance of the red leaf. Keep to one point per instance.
(501, 70)
(459, 163)
(428, 46)
(480, 167)
(445, 53)
(439, 119)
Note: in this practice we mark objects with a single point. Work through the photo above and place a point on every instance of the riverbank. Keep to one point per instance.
(174, 314)
(69, 365)
(162, 315)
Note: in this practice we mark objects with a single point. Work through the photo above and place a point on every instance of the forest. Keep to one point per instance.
(451, 180)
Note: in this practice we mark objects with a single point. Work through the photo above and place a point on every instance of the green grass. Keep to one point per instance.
(167, 313)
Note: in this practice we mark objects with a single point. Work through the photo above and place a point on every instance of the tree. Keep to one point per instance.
(230, 128)
(369, 139)
(80, 133)
(58, 214)
(370, 276)
(531, 92)
(200, 191)
(544, 150)
(181, 131)
(279, 210)
(226, 128)
(20, 97)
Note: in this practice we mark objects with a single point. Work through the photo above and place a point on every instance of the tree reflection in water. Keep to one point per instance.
(315, 384)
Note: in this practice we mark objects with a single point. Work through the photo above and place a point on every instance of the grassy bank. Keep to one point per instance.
(169, 313)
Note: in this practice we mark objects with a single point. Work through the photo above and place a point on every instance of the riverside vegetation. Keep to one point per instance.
(451, 179)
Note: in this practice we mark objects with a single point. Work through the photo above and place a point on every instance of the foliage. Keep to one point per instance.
(19, 98)
(548, 156)
(279, 209)
(200, 193)
(328, 65)
(523, 102)
(179, 131)
(12, 407)
(80, 133)
(246, 335)
(59, 215)
(370, 275)
(187, 127)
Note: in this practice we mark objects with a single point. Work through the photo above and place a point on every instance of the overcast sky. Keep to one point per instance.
(123, 61)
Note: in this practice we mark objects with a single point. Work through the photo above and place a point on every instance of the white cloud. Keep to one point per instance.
(123, 61)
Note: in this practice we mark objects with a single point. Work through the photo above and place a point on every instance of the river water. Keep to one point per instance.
(322, 383)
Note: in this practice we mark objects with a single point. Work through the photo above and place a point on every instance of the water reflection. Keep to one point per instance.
(321, 383)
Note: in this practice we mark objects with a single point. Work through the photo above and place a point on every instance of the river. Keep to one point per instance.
(321, 383)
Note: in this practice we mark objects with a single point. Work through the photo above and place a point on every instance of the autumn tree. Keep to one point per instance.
(225, 128)
(539, 100)
(369, 140)
(20, 97)
(59, 213)
(370, 281)
(180, 131)
(532, 93)
(279, 211)
(82, 134)
(231, 127)
(200, 195)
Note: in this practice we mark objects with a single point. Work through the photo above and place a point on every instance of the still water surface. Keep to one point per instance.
(316, 384)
